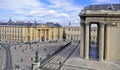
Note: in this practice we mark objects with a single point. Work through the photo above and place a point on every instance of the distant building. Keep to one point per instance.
(93, 34)
(72, 32)
(30, 32)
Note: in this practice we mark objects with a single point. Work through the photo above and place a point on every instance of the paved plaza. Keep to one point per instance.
(24, 55)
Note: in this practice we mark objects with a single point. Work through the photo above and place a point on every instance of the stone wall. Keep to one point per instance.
(114, 42)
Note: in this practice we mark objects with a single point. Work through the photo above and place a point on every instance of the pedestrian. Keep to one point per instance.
(60, 64)
(21, 60)
(15, 47)
(31, 59)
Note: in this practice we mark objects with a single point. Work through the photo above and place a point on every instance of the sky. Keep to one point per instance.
(42, 11)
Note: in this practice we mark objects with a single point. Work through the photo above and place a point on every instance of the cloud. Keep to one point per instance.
(16, 5)
(65, 5)
(63, 11)
(59, 10)
(42, 13)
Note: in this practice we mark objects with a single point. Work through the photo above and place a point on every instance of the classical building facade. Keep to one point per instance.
(72, 32)
(107, 19)
(30, 32)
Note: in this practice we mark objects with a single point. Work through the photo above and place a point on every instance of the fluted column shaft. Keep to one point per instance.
(101, 41)
(40, 35)
(107, 43)
(87, 41)
(82, 40)
(45, 35)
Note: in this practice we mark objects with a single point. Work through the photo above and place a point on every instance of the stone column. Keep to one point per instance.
(52, 34)
(87, 41)
(107, 42)
(45, 35)
(82, 40)
(40, 35)
(48, 34)
(101, 41)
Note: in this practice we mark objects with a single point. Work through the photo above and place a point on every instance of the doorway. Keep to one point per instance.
(42, 38)
(93, 48)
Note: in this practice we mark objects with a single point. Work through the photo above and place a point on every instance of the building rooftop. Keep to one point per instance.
(72, 26)
(51, 24)
(103, 7)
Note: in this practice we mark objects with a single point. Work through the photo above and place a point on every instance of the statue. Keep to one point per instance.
(36, 64)
(36, 57)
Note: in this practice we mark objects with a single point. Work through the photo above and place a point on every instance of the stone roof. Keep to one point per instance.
(31, 24)
(18, 24)
(103, 7)
(72, 26)
(51, 24)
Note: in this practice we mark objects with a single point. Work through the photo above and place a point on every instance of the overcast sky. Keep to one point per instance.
(61, 11)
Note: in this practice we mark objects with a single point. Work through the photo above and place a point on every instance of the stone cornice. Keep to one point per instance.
(100, 15)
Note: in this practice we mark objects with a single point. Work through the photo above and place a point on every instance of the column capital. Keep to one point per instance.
(82, 23)
(87, 24)
(102, 24)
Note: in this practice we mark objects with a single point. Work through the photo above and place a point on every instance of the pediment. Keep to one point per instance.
(42, 25)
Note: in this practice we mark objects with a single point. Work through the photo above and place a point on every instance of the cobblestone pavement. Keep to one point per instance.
(1, 58)
(23, 55)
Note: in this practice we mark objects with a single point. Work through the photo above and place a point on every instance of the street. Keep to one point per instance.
(8, 63)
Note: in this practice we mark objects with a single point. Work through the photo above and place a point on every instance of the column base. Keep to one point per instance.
(86, 58)
(101, 60)
(107, 59)
(82, 57)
